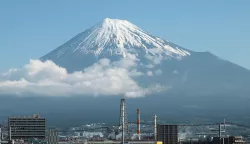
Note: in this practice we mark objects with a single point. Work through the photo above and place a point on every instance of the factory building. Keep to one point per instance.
(236, 140)
(168, 134)
(217, 140)
(27, 127)
(119, 142)
(228, 140)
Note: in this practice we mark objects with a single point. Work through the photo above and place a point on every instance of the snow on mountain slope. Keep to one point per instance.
(113, 37)
(159, 61)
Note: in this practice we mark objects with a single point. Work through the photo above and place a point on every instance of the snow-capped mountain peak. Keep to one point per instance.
(114, 37)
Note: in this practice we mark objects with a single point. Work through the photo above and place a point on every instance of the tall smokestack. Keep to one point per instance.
(155, 130)
(123, 110)
(122, 119)
(138, 124)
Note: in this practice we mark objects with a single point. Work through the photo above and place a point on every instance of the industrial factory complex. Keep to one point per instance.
(32, 129)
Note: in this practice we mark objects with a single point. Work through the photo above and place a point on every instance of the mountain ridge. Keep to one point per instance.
(117, 37)
(161, 61)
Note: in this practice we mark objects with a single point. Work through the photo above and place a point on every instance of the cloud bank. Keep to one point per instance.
(104, 78)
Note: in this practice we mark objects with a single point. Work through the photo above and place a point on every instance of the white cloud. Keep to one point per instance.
(103, 78)
(150, 66)
(154, 88)
(158, 72)
(150, 73)
(155, 60)
(175, 72)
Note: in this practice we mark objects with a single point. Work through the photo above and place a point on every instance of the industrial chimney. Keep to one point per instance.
(155, 130)
(138, 124)
(122, 118)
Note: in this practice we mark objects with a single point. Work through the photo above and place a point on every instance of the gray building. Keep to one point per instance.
(52, 137)
(168, 134)
(27, 127)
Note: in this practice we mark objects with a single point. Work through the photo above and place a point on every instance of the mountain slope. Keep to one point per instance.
(112, 39)
(162, 62)
(200, 85)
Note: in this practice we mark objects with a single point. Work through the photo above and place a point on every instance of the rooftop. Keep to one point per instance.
(33, 116)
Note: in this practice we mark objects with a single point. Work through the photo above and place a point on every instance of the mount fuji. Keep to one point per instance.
(180, 84)
(182, 71)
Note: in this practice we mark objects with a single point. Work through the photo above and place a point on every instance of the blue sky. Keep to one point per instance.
(30, 29)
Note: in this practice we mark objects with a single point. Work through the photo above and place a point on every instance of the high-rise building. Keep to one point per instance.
(228, 140)
(52, 137)
(236, 140)
(168, 134)
(27, 127)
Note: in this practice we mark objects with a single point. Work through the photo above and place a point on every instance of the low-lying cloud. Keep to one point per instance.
(104, 78)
